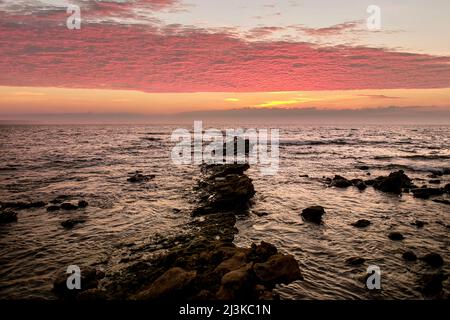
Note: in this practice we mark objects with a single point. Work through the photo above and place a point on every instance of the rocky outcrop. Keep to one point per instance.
(394, 183)
(313, 214)
(224, 188)
(203, 263)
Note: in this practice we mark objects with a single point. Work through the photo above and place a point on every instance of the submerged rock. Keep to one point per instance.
(433, 259)
(431, 284)
(169, 285)
(82, 204)
(419, 224)
(313, 214)
(447, 187)
(396, 236)
(443, 201)
(139, 177)
(8, 216)
(409, 256)
(435, 181)
(362, 223)
(394, 183)
(355, 261)
(340, 182)
(69, 224)
(68, 206)
(53, 208)
(425, 193)
(23, 205)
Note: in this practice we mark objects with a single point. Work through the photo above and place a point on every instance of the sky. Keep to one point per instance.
(170, 56)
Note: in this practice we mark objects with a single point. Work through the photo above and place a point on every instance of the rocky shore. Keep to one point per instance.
(204, 264)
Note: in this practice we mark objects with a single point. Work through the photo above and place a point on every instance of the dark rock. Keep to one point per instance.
(340, 182)
(447, 187)
(262, 252)
(235, 283)
(139, 177)
(361, 185)
(170, 284)
(370, 182)
(69, 224)
(443, 201)
(362, 167)
(8, 216)
(313, 214)
(53, 208)
(433, 259)
(425, 193)
(396, 236)
(89, 280)
(68, 206)
(394, 183)
(431, 284)
(23, 205)
(304, 176)
(355, 261)
(278, 269)
(435, 181)
(82, 204)
(362, 223)
(409, 256)
(419, 224)
(261, 213)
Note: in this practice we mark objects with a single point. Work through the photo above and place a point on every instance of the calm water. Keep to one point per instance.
(93, 162)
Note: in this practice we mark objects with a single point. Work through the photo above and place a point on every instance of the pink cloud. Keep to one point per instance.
(152, 59)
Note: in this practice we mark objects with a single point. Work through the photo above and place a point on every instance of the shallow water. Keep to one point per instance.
(92, 163)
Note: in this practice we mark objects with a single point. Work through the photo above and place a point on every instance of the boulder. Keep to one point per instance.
(396, 236)
(313, 214)
(68, 206)
(409, 256)
(53, 208)
(171, 283)
(433, 259)
(362, 223)
(340, 182)
(69, 224)
(394, 183)
(82, 204)
(355, 261)
(8, 216)
(425, 193)
(278, 269)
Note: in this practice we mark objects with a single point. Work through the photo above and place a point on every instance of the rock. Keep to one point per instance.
(68, 206)
(235, 282)
(89, 280)
(433, 259)
(396, 236)
(82, 204)
(409, 256)
(53, 208)
(425, 193)
(394, 183)
(171, 283)
(361, 185)
(238, 260)
(355, 261)
(431, 284)
(447, 187)
(304, 176)
(139, 177)
(443, 201)
(8, 216)
(222, 170)
(278, 269)
(435, 181)
(262, 252)
(362, 223)
(23, 205)
(370, 182)
(363, 167)
(419, 224)
(340, 182)
(313, 214)
(69, 224)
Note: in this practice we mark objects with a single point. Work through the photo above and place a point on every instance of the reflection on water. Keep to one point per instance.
(93, 163)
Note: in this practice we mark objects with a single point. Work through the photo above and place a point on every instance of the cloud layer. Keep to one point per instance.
(41, 51)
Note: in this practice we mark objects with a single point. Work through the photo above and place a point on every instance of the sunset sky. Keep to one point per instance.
(168, 56)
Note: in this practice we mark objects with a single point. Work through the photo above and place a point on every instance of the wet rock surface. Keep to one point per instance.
(394, 183)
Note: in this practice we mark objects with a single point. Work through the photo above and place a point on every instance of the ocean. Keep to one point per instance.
(124, 221)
